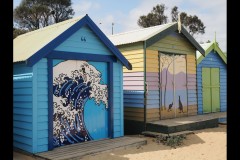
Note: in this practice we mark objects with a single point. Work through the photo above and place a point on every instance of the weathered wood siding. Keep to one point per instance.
(152, 80)
(134, 54)
(213, 60)
(22, 107)
(173, 43)
(133, 80)
(192, 84)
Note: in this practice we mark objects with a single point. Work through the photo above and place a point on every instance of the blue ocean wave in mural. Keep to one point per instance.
(70, 95)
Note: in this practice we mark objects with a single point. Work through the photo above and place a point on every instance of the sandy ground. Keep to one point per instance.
(206, 144)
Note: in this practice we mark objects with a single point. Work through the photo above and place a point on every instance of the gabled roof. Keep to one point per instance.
(137, 35)
(208, 47)
(152, 35)
(33, 46)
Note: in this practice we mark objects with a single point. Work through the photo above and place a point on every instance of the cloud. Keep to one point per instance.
(212, 13)
(144, 8)
(82, 7)
(124, 17)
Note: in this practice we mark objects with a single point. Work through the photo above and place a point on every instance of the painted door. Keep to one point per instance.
(206, 89)
(215, 86)
(180, 85)
(173, 91)
(211, 90)
(80, 101)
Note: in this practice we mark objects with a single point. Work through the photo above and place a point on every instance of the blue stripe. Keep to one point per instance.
(80, 56)
(110, 101)
(50, 104)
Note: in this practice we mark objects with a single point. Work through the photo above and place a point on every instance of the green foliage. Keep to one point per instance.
(156, 17)
(61, 10)
(17, 32)
(174, 14)
(34, 14)
(171, 141)
(192, 23)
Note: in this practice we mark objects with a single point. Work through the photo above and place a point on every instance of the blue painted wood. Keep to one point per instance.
(117, 134)
(42, 148)
(42, 111)
(116, 88)
(42, 104)
(21, 68)
(22, 132)
(215, 61)
(21, 118)
(22, 98)
(42, 134)
(129, 96)
(127, 100)
(134, 105)
(22, 111)
(40, 101)
(23, 125)
(22, 139)
(42, 141)
(22, 91)
(85, 21)
(23, 146)
(19, 84)
(22, 106)
(110, 100)
(33, 122)
(91, 45)
(54, 43)
(117, 129)
(70, 55)
(132, 92)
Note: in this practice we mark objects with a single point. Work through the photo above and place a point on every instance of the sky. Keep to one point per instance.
(123, 14)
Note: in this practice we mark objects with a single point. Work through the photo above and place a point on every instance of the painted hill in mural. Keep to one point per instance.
(180, 80)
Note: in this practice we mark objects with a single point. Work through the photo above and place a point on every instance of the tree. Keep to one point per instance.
(29, 14)
(157, 17)
(17, 32)
(192, 23)
(174, 14)
(61, 10)
(35, 14)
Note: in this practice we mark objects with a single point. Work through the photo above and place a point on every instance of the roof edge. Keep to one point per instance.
(192, 40)
(154, 38)
(215, 48)
(86, 20)
(108, 43)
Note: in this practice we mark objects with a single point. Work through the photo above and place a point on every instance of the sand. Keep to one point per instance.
(206, 144)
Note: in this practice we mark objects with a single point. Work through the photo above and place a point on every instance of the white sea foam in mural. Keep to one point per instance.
(74, 82)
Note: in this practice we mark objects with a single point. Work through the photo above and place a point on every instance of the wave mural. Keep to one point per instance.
(74, 83)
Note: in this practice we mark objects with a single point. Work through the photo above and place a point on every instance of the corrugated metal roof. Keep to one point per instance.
(138, 35)
(27, 44)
